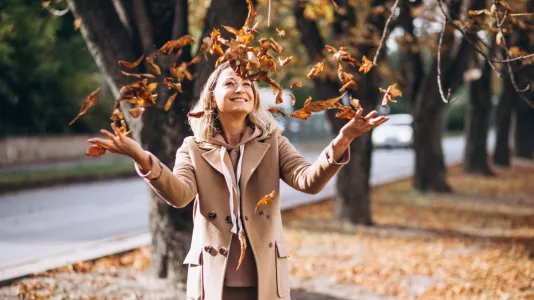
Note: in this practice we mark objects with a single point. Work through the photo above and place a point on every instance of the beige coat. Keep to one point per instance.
(198, 175)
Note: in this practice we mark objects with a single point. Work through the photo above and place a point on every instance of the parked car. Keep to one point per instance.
(396, 132)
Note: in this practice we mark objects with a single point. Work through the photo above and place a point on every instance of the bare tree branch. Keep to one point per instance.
(445, 99)
(58, 13)
(384, 33)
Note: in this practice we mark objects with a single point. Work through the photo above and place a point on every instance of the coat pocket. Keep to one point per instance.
(195, 282)
(282, 269)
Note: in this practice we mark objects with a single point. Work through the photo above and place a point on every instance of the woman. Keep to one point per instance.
(236, 157)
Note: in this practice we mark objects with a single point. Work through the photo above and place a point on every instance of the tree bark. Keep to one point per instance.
(152, 23)
(503, 118)
(477, 121)
(524, 130)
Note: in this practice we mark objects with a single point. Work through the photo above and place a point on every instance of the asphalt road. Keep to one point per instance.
(39, 223)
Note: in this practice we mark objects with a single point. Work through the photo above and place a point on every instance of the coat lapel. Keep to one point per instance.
(254, 153)
(213, 157)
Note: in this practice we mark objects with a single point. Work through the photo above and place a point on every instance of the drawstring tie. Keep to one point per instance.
(237, 225)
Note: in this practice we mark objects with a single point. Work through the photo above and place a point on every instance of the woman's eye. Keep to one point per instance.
(247, 84)
(229, 83)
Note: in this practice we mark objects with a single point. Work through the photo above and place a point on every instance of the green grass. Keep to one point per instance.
(28, 178)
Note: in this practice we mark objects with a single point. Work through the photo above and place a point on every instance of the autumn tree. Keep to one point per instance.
(126, 30)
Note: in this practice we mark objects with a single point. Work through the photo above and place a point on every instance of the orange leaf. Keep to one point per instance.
(266, 200)
(243, 242)
(152, 65)
(138, 76)
(300, 114)
(95, 151)
(89, 101)
(318, 68)
(131, 65)
(284, 61)
(346, 113)
(277, 110)
(390, 95)
(366, 65)
(136, 112)
(296, 85)
(170, 101)
(355, 103)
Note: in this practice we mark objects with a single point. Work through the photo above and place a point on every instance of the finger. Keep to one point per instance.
(380, 120)
(371, 115)
(101, 142)
(358, 113)
(117, 131)
(110, 135)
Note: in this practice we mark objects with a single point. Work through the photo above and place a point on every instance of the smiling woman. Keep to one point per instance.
(237, 157)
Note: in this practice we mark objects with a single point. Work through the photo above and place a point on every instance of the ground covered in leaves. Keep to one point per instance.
(477, 243)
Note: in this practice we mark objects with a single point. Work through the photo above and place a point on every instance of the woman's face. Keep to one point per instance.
(233, 95)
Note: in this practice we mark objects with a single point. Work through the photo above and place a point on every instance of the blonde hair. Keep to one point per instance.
(206, 126)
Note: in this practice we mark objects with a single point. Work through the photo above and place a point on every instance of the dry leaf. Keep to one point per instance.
(131, 65)
(366, 65)
(266, 200)
(243, 242)
(76, 23)
(195, 114)
(152, 65)
(355, 103)
(89, 101)
(95, 151)
(277, 110)
(175, 46)
(170, 101)
(296, 85)
(390, 95)
(280, 33)
(138, 76)
(136, 112)
(284, 61)
(318, 68)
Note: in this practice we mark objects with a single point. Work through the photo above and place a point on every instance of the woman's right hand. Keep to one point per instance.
(121, 144)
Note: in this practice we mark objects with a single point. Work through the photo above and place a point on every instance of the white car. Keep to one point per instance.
(396, 132)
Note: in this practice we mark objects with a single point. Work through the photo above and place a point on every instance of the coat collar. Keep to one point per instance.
(253, 154)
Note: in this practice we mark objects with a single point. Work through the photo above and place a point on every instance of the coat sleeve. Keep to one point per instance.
(177, 187)
(304, 176)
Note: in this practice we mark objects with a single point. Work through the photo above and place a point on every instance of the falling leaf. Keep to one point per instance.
(136, 112)
(349, 85)
(366, 65)
(89, 101)
(474, 13)
(76, 24)
(175, 46)
(95, 151)
(152, 65)
(195, 114)
(45, 4)
(138, 76)
(390, 95)
(300, 114)
(318, 68)
(342, 55)
(243, 243)
(280, 33)
(346, 113)
(284, 61)
(355, 103)
(170, 101)
(296, 85)
(293, 99)
(251, 14)
(277, 110)
(131, 65)
(267, 199)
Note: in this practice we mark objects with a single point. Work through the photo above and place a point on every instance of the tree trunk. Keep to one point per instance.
(524, 130)
(143, 27)
(503, 118)
(477, 121)
(352, 200)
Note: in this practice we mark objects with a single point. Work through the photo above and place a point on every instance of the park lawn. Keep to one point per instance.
(477, 243)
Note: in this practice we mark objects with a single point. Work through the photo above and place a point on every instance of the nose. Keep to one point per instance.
(239, 88)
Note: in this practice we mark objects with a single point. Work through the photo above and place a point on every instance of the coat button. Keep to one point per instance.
(228, 220)
(222, 251)
(212, 215)
(207, 248)
(270, 245)
(260, 212)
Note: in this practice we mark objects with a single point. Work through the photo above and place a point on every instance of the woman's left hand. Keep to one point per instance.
(358, 125)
